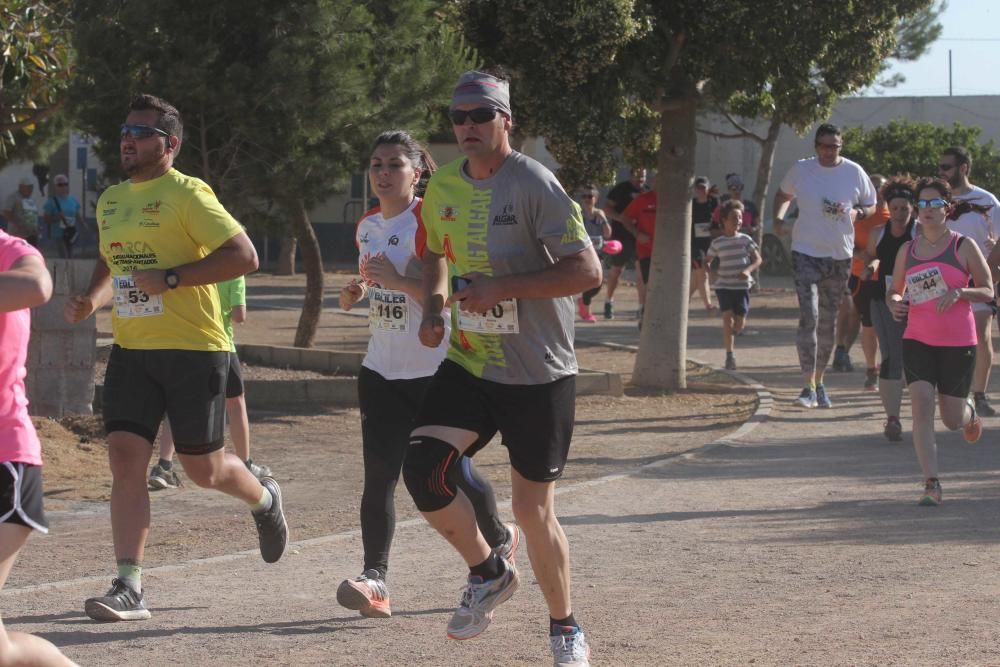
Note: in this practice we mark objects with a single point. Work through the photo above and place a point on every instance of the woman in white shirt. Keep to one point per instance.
(397, 368)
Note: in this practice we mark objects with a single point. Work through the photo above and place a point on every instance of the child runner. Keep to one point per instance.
(738, 258)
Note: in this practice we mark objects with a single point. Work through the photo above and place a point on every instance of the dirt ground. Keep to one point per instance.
(315, 454)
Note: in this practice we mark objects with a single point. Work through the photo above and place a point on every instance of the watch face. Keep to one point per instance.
(171, 279)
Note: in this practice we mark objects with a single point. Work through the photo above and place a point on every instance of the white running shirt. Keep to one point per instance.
(977, 226)
(394, 350)
(825, 196)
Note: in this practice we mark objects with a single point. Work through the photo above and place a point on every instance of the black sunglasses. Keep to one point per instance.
(946, 167)
(478, 116)
(142, 132)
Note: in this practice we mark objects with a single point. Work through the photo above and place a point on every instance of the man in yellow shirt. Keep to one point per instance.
(165, 240)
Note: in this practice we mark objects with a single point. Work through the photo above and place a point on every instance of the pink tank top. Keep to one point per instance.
(927, 280)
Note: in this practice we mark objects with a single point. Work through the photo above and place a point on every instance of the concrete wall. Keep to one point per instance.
(717, 157)
(61, 356)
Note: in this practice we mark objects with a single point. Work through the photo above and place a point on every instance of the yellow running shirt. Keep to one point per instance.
(161, 224)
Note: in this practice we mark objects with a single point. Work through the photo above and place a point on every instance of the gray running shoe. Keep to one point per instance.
(609, 310)
(984, 409)
(822, 400)
(569, 648)
(871, 379)
(479, 600)
(893, 430)
(272, 529)
(367, 594)
(259, 471)
(160, 478)
(730, 363)
(807, 398)
(121, 603)
(510, 543)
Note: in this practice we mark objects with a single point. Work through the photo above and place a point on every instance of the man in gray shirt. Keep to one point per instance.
(510, 243)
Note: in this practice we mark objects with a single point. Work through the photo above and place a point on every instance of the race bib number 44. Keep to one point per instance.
(501, 319)
(926, 285)
(130, 301)
(388, 310)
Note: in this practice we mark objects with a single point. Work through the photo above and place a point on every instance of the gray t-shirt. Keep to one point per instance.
(517, 221)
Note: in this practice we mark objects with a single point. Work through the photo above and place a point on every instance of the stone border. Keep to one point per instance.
(341, 390)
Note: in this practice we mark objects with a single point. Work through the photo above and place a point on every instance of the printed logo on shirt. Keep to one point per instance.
(506, 216)
(108, 211)
(364, 238)
(152, 208)
(448, 214)
(130, 254)
(393, 240)
(149, 224)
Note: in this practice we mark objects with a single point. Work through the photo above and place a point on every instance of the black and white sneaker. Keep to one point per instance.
(272, 530)
(120, 604)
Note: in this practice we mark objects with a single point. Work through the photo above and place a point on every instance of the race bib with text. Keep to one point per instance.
(501, 319)
(130, 301)
(388, 310)
(926, 285)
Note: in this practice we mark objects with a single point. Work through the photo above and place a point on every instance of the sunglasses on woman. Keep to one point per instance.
(142, 132)
(931, 203)
(478, 116)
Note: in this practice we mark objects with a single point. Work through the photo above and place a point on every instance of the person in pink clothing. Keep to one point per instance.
(24, 283)
(930, 288)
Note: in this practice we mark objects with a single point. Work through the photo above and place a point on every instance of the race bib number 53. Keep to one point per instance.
(130, 301)
(501, 319)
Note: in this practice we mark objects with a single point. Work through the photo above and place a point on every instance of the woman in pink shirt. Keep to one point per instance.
(939, 344)
(24, 283)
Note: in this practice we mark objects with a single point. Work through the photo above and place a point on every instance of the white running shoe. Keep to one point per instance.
(479, 600)
(569, 647)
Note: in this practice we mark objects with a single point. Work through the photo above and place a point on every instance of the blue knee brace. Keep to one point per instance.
(429, 471)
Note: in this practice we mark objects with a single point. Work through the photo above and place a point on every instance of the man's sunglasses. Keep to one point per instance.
(478, 116)
(946, 167)
(931, 203)
(142, 132)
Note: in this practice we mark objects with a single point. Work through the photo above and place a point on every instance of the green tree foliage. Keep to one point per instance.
(580, 66)
(280, 105)
(35, 66)
(906, 147)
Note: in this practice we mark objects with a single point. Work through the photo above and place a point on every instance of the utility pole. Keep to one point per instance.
(949, 72)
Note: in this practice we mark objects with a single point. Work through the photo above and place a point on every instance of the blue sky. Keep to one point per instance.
(972, 34)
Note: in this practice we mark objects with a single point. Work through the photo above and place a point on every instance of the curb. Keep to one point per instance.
(765, 403)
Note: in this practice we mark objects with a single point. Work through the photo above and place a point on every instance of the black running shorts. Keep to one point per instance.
(949, 369)
(866, 291)
(619, 233)
(21, 496)
(188, 386)
(234, 379)
(535, 421)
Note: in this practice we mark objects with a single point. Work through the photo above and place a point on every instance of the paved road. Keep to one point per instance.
(797, 541)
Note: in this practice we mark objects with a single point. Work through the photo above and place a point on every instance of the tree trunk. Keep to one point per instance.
(285, 265)
(312, 306)
(764, 168)
(662, 359)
